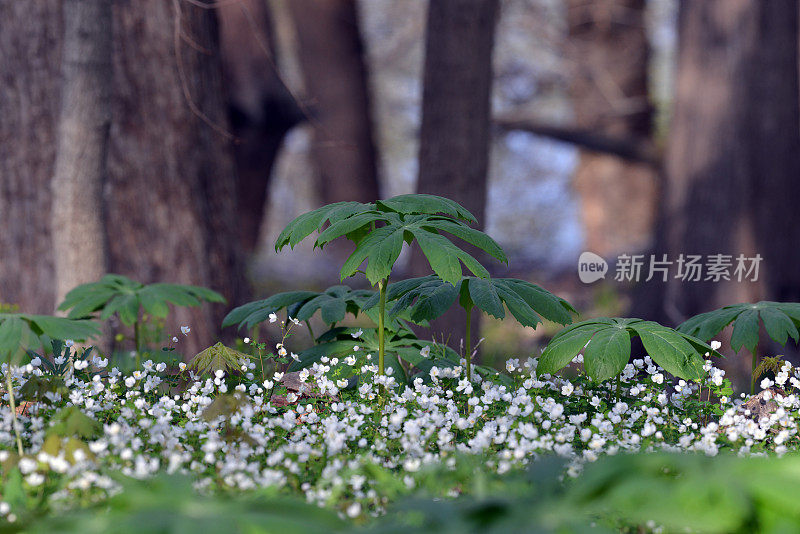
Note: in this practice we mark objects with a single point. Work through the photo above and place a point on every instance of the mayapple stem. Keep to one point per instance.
(136, 342)
(381, 312)
(468, 344)
(11, 402)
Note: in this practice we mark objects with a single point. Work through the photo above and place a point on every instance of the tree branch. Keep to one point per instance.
(630, 149)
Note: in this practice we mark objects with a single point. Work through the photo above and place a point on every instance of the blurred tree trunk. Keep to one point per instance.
(260, 107)
(171, 196)
(733, 162)
(30, 52)
(331, 55)
(77, 223)
(456, 109)
(609, 49)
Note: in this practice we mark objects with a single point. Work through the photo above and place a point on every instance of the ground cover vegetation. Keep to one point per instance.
(372, 429)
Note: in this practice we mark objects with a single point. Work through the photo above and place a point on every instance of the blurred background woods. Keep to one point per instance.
(171, 140)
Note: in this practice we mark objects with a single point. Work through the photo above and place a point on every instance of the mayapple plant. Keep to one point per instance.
(606, 346)
(429, 297)
(117, 294)
(333, 304)
(781, 321)
(379, 230)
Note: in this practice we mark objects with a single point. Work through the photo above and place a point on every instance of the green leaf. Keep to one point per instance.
(63, 328)
(438, 251)
(218, 357)
(403, 218)
(523, 313)
(485, 297)
(152, 303)
(252, 313)
(432, 304)
(546, 304)
(677, 353)
(396, 290)
(781, 321)
(37, 388)
(20, 331)
(84, 304)
(745, 331)
(71, 421)
(472, 236)
(333, 310)
(379, 246)
(429, 204)
(566, 345)
(778, 325)
(11, 335)
(302, 226)
(670, 350)
(383, 255)
(707, 325)
(224, 405)
(607, 354)
(347, 226)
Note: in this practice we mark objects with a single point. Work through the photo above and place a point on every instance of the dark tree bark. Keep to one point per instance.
(331, 55)
(30, 52)
(456, 111)
(171, 195)
(733, 161)
(260, 107)
(77, 223)
(609, 49)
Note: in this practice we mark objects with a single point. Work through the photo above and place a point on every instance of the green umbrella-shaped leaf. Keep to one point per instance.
(429, 204)
(255, 312)
(781, 321)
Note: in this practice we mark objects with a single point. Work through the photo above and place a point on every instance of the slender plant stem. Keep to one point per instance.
(468, 344)
(137, 343)
(15, 422)
(753, 371)
(261, 362)
(381, 312)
